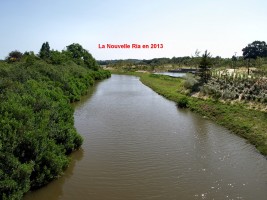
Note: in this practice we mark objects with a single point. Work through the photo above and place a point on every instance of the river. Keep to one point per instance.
(139, 146)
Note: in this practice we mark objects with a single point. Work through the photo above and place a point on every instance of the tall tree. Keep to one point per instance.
(204, 67)
(45, 52)
(254, 50)
(81, 56)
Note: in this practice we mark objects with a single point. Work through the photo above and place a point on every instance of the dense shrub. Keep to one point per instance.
(191, 82)
(14, 56)
(182, 102)
(243, 89)
(36, 121)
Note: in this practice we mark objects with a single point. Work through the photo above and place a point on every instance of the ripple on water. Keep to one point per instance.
(137, 145)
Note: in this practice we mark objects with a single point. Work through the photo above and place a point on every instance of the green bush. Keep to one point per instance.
(37, 123)
(191, 82)
(182, 102)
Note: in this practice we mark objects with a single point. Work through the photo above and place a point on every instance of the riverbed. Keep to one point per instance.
(138, 145)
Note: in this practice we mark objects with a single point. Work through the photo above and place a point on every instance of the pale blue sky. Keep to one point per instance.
(220, 26)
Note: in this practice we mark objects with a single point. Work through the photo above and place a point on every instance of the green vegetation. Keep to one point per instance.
(204, 65)
(36, 119)
(45, 52)
(254, 56)
(81, 56)
(248, 123)
(255, 50)
(221, 79)
(14, 56)
(230, 88)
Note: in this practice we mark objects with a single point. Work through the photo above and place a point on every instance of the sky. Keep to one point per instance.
(222, 27)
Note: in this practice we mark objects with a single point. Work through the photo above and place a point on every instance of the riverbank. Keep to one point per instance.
(249, 124)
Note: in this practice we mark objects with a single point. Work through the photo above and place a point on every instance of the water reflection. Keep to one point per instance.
(172, 74)
(54, 190)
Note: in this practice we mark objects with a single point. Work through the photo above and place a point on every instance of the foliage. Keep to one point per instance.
(14, 56)
(57, 58)
(81, 56)
(36, 119)
(182, 102)
(248, 89)
(29, 58)
(191, 82)
(254, 50)
(204, 67)
(164, 64)
(74, 53)
(45, 51)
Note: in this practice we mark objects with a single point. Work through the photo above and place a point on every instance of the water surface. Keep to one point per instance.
(172, 74)
(139, 146)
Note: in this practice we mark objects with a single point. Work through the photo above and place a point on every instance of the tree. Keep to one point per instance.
(57, 58)
(204, 67)
(14, 56)
(90, 62)
(76, 52)
(45, 52)
(254, 50)
(81, 56)
(29, 58)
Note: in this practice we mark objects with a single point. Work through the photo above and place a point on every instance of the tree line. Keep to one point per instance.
(74, 52)
(254, 55)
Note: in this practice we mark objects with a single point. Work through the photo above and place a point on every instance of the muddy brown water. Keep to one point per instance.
(139, 146)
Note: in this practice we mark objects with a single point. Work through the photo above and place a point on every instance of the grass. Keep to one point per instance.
(249, 124)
